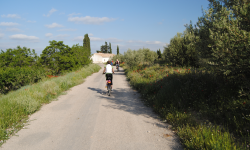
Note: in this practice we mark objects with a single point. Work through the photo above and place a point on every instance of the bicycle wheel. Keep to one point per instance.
(109, 90)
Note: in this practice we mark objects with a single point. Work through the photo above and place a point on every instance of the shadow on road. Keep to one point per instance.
(128, 100)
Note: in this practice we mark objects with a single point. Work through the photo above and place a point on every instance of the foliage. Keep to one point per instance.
(218, 42)
(182, 51)
(220, 37)
(159, 53)
(18, 57)
(144, 56)
(120, 57)
(12, 78)
(188, 97)
(229, 46)
(86, 45)
(110, 49)
(80, 55)
(58, 57)
(118, 50)
(106, 48)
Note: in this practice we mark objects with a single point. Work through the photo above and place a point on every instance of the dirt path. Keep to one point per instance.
(87, 119)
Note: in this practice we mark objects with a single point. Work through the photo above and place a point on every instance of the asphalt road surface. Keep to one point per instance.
(86, 118)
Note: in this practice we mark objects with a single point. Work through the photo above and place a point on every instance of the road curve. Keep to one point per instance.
(87, 119)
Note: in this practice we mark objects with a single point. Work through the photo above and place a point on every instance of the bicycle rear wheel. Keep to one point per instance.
(109, 90)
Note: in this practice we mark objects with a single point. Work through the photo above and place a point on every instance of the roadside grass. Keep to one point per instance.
(16, 106)
(204, 109)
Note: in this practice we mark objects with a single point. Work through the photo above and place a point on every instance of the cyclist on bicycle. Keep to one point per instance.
(117, 63)
(108, 69)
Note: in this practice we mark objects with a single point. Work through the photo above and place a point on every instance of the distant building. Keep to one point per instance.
(101, 57)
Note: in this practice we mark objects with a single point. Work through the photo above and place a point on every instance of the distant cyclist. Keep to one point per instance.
(108, 69)
(117, 63)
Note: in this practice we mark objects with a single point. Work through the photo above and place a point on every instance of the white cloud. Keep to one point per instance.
(23, 37)
(74, 14)
(114, 40)
(31, 21)
(96, 39)
(11, 16)
(66, 30)
(78, 38)
(62, 35)
(145, 42)
(90, 20)
(1, 35)
(14, 30)
(53, 25)
(48, 34)
(153, 42)
(8, 24)
(50, 12)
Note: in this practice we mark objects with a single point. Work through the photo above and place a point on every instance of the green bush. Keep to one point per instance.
(19, 57)
(12, 78)
(144, 56)
(187, 98)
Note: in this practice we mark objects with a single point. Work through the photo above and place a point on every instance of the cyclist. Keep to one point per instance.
(117, 63)
(108, 69)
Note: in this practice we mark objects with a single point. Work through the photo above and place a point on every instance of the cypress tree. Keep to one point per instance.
(110, 49)
(86, 44)
(106, 47)
(117, 49)
(159, 53)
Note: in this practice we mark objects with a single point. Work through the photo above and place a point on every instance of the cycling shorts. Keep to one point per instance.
(109, 77)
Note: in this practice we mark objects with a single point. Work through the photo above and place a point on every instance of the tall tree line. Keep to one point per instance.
(219, 38)
(219, 42)
(106, 48)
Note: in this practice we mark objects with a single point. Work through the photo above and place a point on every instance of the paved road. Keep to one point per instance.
(87, 119)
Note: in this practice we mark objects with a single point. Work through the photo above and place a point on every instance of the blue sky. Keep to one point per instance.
(130, 24)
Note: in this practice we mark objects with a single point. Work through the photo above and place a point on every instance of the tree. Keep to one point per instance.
(110, 49)
(159, 53)
(18, 57)
(118, 50)
(79, 54)
(58, 57)
(86, 45)
(106, 48)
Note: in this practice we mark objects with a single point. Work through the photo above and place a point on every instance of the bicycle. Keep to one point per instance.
(117, 67)
(109, 87)
(109, 83)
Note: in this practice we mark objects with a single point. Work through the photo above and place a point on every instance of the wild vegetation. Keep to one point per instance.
(201, 83)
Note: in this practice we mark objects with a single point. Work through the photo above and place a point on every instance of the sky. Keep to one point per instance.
(130, 24)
